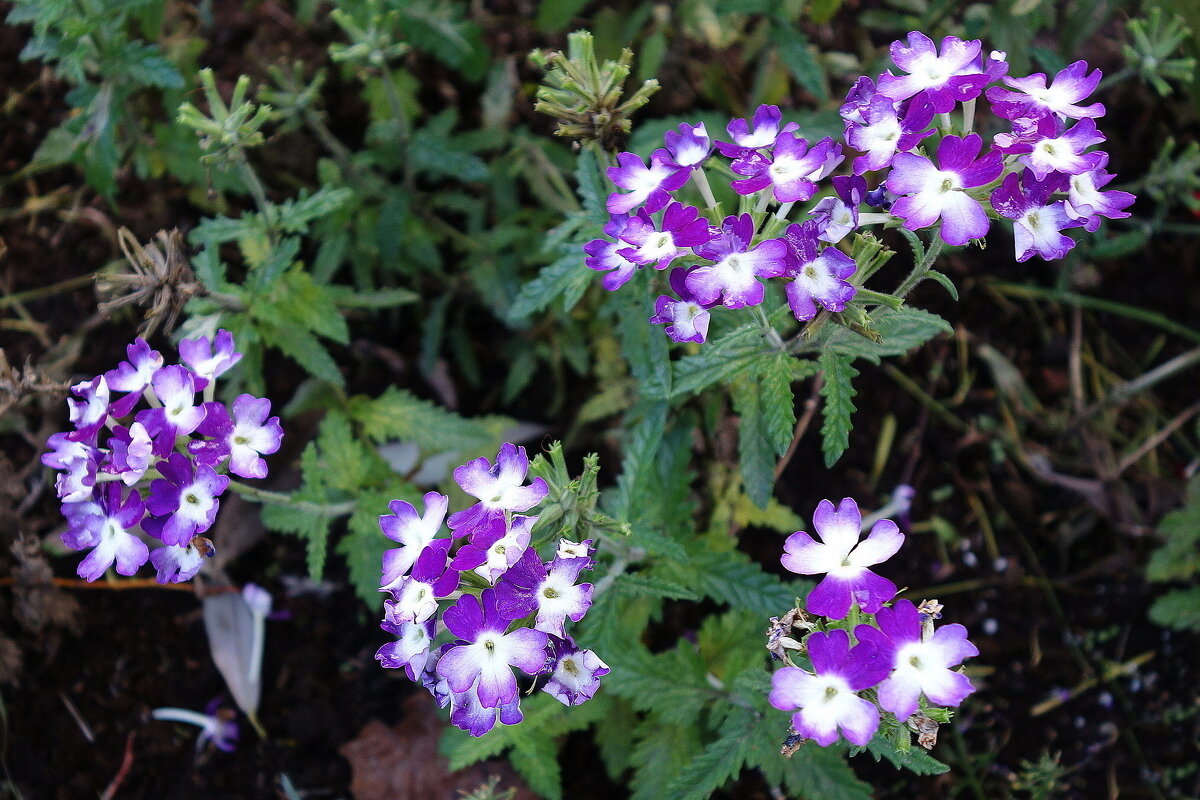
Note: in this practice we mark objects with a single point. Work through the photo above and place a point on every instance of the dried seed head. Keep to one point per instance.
(161, 279)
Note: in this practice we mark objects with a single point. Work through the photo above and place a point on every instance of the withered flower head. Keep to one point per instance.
(162, 279)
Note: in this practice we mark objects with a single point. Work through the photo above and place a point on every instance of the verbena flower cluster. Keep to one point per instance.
(501, 606)
(160, 468)
(917, 167)
(883, 664)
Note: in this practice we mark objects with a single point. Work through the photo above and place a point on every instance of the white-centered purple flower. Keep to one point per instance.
(682, 226)
(492, 558)
(175, 388)
(954, 75)
(209, 359)
(818, 275)
(133, 376)
(649, 186)
(90, 411)
(605, 256)
(791, 169)
(79, 462)
(131, 450)
(106, 526)
(733, 278)
(483, 658)
(688, 147)
(500, 489)
(176, 564)
(686, 318)
(1085, 201)
(918, 667)
(245, 436)
(1034, 98)
(410, 651)
(217, 725)
(415, 597)
(1037, 221)
(760, 131)
(844, 560)
(415, 532)
(826, 702)
(836, 216)
(933, 193)
(469, 714)
(184, 501)
(1064, 151)
(884, 130)
(575, 675)
(548, 589)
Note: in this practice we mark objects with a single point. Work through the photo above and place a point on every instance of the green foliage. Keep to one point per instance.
(1178, 560)
(839, 404)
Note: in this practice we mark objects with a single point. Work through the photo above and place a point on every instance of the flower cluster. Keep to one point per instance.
(161, 468)
(501, 605)
(1039, 172)
(883, 664)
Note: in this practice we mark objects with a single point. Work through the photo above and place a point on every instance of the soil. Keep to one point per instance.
(1046, 573)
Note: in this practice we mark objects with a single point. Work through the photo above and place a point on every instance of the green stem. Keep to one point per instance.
(878, 298)
(769, 329)
(919, 270)
(284, 499)
(258, 192)
(46, 291)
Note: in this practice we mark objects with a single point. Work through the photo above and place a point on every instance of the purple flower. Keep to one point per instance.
(499, 489)
(818, 276)
(689, 147)
(733, 279)
(955, 75)
(490, 556)
(837, 216)
(209, 359)
(932, 193)
(1047, 148)
(1085, 201)
(791, 169)
(105, 525)
(884, 131)
(650, 185)
(603, 255)
(550, 590)
(79, 462)
(682, 226)
(483, 659)
(216, 725)
(919, 667)
(575, 675)
(766, 129)
(133, 376)
(415, 598)
(413, 531)
(1034, 98)
(244, 438)
(131, 452)
(825, 702)
(175, 388)
(472, 716)
(411, 650)
(686, 318)
(1037, 222)
(90, 411)
(183, 501)
(844, 559)
(176, 564)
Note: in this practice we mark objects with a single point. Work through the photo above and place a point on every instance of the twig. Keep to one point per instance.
(810, 409)
(1157, 439)
(124, 583)
(84, 728)
(123, 772)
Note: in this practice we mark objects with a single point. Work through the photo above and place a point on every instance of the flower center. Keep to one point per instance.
(243, 440)
(549, 593)
(830, 693)
(192, 498)
(570, 667)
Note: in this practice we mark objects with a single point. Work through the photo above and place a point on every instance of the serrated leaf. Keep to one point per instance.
(304, 348)
(397, 414)
(838, 407)
(645, 347)
(554, 279)
(776, 402)
(364, 544)
(593, 188)
(730, 577)
(756, 456)
(641, 583)
(793, 49)
(660, 753)
(944, 281)
(671, 685)
(536, 759)
(901, 331)
(638, 459)
(300, 300)
(720, 360)
(914, 760)
(145, 64)
(1179, 556)
(823, 772)
(720, 761)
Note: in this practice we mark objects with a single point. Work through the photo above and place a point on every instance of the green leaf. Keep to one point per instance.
(397, 414)
(555, 15)
(731, 577)
(776, 402)
(792, 46)
(363, 545)
(645, 347)
(720, 360)
(311, 527)
(720, 761)
(308, 305)
(638, 460)
(1179, 609)
(535, 758)
(1179, 556)
(592, 187)
(671, 685)
(301, 346)
(558, 277)
(915, 760)
(660, 753)
(901, 330)
(756, 454)
(642, 583)
(145, 64)
(839, 404)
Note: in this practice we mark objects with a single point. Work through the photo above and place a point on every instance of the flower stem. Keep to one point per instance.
(701, 181)
(284, 499)
(769, 329)
(919, 270)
